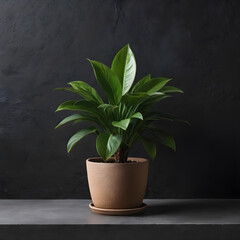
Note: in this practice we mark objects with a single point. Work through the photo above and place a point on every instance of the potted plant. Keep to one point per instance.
(117, 182)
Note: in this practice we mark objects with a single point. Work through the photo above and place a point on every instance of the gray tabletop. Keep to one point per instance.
(159, 212)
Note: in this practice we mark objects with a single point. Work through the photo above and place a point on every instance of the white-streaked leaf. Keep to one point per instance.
(124, 65)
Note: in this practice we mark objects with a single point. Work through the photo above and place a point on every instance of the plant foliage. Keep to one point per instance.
(127, 116)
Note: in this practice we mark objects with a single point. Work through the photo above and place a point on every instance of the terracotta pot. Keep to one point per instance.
(117, 185)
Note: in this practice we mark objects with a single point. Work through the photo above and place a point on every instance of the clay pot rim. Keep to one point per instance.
(96, 160)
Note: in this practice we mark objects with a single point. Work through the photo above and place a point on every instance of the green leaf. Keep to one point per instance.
(153, 85)
(108, 111)
(107, 107)
(153, 116)
(107, 144)
(124, 65)
(68, 105)
(69, 119)
(66, 89)
(123, 124)
(109, 82)
(137, 115)
(149, 146)
(151, 100)
(157, 97)
(163, 137)
(169, 89)
(135, 99)
(140, 83)
(78, 136)
(166, 139)
(132, 99)
(86, 91)
(78, 105)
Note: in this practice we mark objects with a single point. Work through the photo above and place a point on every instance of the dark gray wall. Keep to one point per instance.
(44, 44)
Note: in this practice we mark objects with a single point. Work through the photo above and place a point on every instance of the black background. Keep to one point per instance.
(44, 44)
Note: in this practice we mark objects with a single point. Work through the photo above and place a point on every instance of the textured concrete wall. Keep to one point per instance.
(44, 44)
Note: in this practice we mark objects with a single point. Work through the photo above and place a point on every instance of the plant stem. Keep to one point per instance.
(121, 155)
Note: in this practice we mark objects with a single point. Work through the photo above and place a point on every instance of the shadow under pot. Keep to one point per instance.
(117, 185)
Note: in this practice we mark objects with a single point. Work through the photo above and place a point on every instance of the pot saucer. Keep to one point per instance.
(117, 212)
